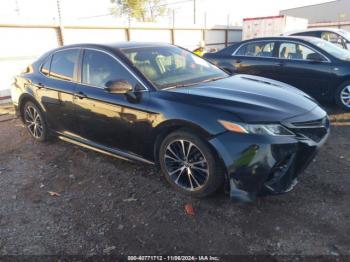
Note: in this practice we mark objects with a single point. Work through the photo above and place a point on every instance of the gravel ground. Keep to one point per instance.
(101, 205)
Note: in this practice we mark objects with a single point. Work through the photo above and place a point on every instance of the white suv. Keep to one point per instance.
(339, 37)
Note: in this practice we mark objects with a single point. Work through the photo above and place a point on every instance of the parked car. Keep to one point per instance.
(339, 37)
(313, 65)
(160, 104)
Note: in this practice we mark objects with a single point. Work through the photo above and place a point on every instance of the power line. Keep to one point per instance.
(93, 16)
(136, 9)
(175, 3)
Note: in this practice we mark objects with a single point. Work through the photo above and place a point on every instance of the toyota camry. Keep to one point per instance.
(162, 105)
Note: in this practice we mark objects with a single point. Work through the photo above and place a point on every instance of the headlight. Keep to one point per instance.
(268, 129)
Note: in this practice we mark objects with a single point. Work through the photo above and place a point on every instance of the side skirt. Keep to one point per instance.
(106, 150)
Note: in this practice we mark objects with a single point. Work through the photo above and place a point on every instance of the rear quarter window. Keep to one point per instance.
(228, 50)
(312, 33)
(45, 68)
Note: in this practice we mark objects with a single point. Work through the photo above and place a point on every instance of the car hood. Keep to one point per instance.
(252, 98)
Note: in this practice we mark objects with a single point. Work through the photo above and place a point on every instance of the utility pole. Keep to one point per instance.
(173, 17)
(59, 11)
(17, 10)
(194, 11)
(60, 28)
(172, 30)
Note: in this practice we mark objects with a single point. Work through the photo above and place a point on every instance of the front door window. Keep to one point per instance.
(296, 51)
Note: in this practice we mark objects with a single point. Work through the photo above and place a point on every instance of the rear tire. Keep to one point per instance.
(342, 96)
(35, 122)
(189, 164)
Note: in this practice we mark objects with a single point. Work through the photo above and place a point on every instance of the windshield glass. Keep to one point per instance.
(332, 49)
(346, 34)
(170, 66)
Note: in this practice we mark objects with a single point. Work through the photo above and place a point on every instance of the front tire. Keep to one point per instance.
(189, 164)
(342, 96)
(35, 122)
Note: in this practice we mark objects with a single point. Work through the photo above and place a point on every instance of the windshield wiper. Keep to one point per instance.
(196, 83)
(180, 85)
(213, 79)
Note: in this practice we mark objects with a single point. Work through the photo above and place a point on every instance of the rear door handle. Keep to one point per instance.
(280, 64)
(80, 94)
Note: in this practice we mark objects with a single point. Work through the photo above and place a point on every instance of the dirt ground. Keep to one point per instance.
(110, 206)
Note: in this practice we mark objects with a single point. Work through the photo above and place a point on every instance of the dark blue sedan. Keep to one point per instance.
(313, 65)
(162, 105)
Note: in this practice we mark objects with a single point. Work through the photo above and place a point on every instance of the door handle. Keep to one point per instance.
(280, 64)
(238, 61)
(40, 85)
(80, 94)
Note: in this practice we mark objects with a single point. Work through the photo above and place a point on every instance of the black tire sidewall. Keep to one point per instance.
(338, 96)
(216, 174)
(44, 136)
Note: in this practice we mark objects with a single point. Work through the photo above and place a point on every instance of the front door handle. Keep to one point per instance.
(40, 85)
(80, 94)
(280, 64)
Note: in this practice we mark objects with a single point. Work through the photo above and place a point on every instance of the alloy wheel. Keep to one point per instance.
(186, 165)
(345, 96)
(33, 121)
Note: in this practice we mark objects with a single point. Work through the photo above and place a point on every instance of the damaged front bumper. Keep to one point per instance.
(258, 164)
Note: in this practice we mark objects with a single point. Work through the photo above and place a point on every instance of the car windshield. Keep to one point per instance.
(170, 66)
(332, 49)
(345, 33)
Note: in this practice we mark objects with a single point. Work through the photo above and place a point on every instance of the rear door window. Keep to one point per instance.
(99, 68)
(259, 49)
(63, 64)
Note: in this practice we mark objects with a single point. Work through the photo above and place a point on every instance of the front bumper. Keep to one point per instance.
(257, 164)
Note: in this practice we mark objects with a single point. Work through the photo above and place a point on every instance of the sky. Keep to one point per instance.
(211, 12)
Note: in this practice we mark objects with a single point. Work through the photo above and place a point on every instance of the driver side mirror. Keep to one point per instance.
(118, 87)
(228, 71)
(315, 57)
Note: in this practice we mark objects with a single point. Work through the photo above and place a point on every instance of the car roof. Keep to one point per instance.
(116, 45)
(274, 38)
(106, 47)
(335, 30)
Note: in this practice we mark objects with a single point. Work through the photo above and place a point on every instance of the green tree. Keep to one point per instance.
(141, 10)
